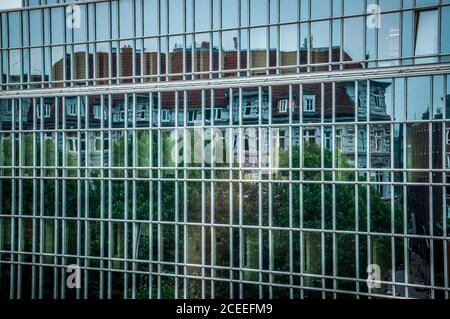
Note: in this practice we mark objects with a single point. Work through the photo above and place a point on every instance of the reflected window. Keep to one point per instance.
(217, 114)
(426, 33)
(46, 111)
(283, 105)
(380, 100)
(309, 103)
(165, 115)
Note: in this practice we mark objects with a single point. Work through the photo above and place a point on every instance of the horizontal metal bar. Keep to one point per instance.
(240, 82)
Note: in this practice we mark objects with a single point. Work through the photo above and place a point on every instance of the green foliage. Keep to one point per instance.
(348, 198)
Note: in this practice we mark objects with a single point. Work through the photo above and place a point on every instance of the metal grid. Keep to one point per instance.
(117, 261)
(81, 51)
(214, 230)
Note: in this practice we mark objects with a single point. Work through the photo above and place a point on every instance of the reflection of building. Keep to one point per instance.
(92, 177)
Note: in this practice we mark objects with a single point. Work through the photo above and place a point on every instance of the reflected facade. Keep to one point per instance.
(266, 149)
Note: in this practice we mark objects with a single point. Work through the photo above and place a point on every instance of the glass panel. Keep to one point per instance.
(79, 33)
(288, 10)
(176, 56)
(387, 5)
(151, 17)
(150, 57)
(380, 100)
(125, 23)
(102, 19)
(202, 15)
(229, 13)
(35, 65)
(320, 38)
(258, 47)
(258, 12)
(407, 32)
(418, 99)
(417, 146)
(202, 54)
(438, 97)
(15, 63)
(35, 27)
(229, 50)
(345, 96)
(388, 38)
(320, 9)
(426, 35)
(445, 30)
(353, 40)
(176, 16)
(352, 7)
(14, 29)
(288, 45)
(57, 26)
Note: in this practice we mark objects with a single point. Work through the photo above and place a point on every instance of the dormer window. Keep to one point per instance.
(248, 110)
(8, 108)
(217, 114)
(377, 99)
(97, 112)
(142, 113)
(309, 103)
(377, 142)
(72, 109)
(192, 116)
(164, 115)
(46, 108)
(72, 144)
(283, 106)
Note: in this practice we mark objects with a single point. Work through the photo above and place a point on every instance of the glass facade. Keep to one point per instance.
(225, 148)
